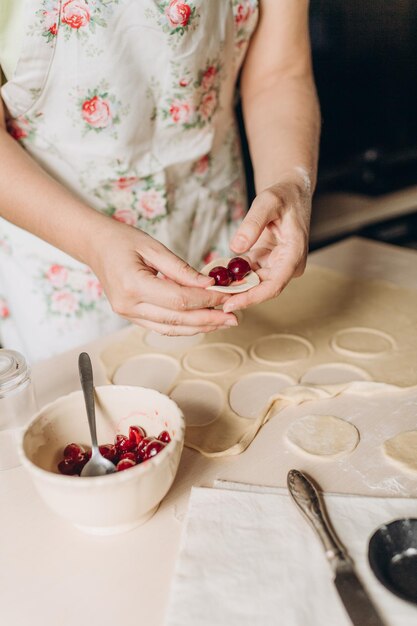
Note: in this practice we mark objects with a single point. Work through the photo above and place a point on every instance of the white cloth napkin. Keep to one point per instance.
(248, 557)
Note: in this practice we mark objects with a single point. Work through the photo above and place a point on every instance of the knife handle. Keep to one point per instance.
(307, 498)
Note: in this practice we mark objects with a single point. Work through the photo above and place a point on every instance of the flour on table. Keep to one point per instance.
(323, 435)
(402, 450)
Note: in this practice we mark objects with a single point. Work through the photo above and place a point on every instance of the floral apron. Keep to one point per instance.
(130, 104)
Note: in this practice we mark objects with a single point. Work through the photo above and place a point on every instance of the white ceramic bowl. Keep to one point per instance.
(113, 503)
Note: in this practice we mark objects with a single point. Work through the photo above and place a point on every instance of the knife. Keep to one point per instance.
(355, 599)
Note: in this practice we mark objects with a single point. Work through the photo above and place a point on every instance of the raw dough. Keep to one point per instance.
(280, 349)
(214, 359)
(402, 449)
(200, 401)
(323, 435)
(362, 343)
(250, 394)
(155, 371)
(314, 307)
(333, 373)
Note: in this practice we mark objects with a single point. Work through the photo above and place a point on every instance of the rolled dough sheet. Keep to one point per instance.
(402, 450)
(371, 327)
(323, 435)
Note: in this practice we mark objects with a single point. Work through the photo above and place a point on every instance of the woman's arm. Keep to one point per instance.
(125, 259)
(282, 121)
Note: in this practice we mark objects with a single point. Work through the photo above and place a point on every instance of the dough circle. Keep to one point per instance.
(362, 343)
(201, 401)
(156, 371)
(281, 349)
(323, 435)
(249, 394)
(402, 449)
(333, 373)
(213, 359)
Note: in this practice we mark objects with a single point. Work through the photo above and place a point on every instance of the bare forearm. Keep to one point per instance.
(33, 200)
(282, 121)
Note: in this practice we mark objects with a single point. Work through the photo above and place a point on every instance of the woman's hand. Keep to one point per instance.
(129, 265)
(274, 236)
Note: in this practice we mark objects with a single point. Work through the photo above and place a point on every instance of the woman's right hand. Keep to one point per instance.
(129, 264)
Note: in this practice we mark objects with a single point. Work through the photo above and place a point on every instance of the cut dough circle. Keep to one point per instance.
(323, 435)
(251, 280)
(171, 344)
(156, 371)
(250, 393)
(281, 349)
(213, 359)
(362, 343)
(402, 449)
(201, 401)
(333, 373)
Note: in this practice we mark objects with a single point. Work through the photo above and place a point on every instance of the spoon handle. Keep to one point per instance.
(86, 377)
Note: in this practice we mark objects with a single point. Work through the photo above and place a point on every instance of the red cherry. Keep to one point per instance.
(125, 464)
(153, 448)
(81, 461)
(67, 467)
(221, 275)
(136, 434)
(142, 445)
(109, 452)
(73, 451)
(164, 436)
(123, 444)
(128, 455)
(239, 268)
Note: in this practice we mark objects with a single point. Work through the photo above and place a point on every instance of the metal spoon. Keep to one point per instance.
(97, 465)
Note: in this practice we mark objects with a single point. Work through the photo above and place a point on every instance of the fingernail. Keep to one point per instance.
(231, 322)
(228, 308)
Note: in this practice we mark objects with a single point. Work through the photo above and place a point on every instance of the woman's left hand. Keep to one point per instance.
(274, 237)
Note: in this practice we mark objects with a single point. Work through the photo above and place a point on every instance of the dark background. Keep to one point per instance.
(365, 65)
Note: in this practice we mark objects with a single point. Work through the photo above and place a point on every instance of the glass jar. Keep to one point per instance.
(17, 404)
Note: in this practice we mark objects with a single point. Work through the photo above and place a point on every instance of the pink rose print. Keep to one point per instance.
(64, 302)
(180, 111)
(125, 182)
(151, 204)
(57, 275)
(126, 216)
(178, 13)
(242, 12)
(208, 105)
(209, 77)
(94, 289)
(96, 112)
(75, 13)
(202, 165)
(4, 309)
(184, 82)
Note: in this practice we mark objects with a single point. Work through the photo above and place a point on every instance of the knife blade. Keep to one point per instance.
(356, 601)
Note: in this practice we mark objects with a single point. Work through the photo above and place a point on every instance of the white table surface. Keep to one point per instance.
(51, 573)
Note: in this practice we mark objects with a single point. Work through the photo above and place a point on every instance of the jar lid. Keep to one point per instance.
(13, 370)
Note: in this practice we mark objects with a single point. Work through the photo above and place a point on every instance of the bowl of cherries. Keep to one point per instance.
(140, 430)
(233, 275)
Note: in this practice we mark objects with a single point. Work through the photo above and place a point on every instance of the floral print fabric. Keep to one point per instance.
(130, 105)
